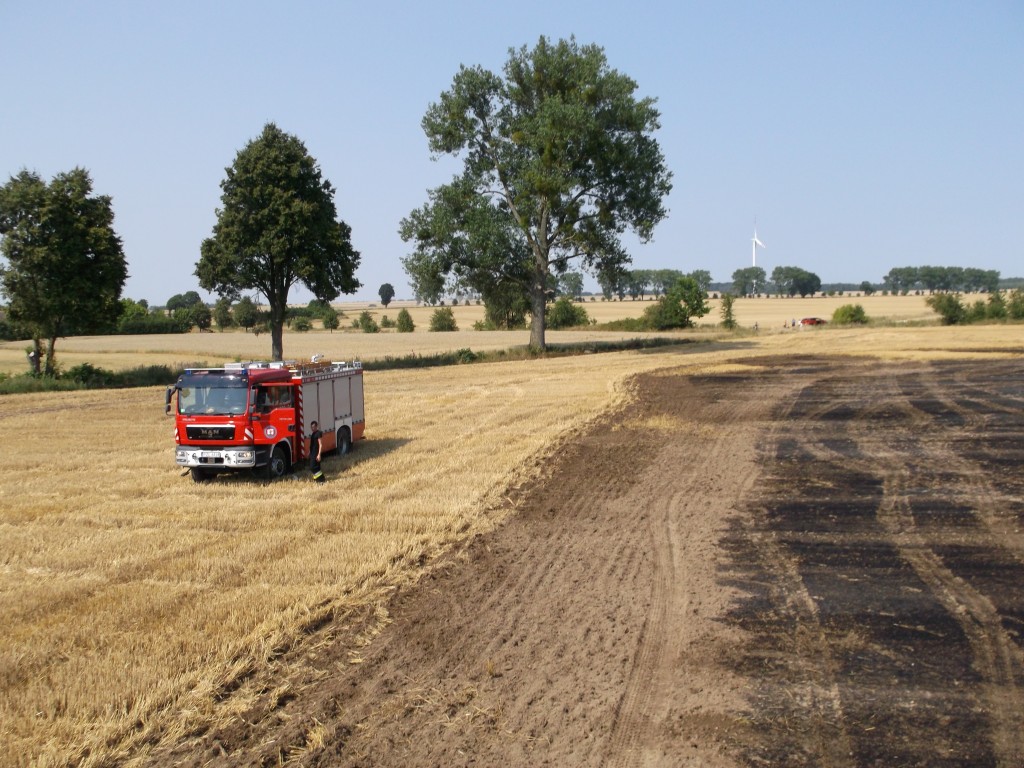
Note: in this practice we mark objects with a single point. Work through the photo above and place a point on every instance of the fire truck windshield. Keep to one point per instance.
(215, 395)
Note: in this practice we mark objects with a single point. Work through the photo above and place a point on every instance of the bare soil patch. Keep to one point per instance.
(815, 561)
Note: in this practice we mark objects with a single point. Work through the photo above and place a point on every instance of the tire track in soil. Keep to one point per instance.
(998, 659)
(815, 676)
(911, 460)
(679, 525)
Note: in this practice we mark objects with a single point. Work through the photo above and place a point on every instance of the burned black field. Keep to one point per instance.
(881, 569)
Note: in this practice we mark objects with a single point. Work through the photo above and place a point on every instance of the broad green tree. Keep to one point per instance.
(901, 279)
(703, 278)
(278, 227)
(184, 301)
(664, 279)
(65, 265)
(561, 152)
(245, 312)
(936, 278)
(330, 319)
(637, 282)
(790, 281)
(975, 279)
(614, 282)
(222, 313)
(571, 284)
(748, 280)
(806, 283)
(202, 317)
(386, 293)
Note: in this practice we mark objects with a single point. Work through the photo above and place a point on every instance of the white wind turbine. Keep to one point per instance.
(753, 247)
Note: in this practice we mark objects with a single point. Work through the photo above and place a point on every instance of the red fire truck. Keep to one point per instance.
(258, 415)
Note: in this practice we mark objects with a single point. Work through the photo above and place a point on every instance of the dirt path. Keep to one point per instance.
(816, 564)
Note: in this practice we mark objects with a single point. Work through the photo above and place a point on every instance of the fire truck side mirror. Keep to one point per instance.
(167, 401)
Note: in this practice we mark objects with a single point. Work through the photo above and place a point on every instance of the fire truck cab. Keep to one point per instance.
(257, 415)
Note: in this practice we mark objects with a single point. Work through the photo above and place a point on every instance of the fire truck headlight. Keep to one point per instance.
(246, 456)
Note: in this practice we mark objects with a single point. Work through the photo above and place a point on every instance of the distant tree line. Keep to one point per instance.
(941, 279)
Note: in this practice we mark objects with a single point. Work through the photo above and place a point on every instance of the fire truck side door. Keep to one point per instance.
(276, 410)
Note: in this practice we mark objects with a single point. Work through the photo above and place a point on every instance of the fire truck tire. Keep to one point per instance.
(278, 464)
(200, 475)
(344, 441)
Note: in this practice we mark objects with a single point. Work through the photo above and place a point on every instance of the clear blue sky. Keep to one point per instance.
(860, 136)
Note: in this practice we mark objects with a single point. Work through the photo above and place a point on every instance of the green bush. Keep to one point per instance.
(92, 377)
(367, 324)
(850, 314)
(156, 323)
(976, 312)
(89, 376)
(405, 323)
(950, 309)
(443, 319)
(1015, 304)
(565, 314)
(728, 315)
(684, 301)
(628, 324)
(996, 307)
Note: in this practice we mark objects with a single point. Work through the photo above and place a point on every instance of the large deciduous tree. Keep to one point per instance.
(65, 265)
(559, 161)
(278, 227)
(748, 280)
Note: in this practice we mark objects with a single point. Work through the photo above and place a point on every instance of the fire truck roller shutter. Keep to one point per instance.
(327, 415)
(358, 414)
(342, 399)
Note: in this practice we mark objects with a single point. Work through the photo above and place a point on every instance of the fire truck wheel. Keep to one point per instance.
(200, 475)
(344, 441)
(278, 464)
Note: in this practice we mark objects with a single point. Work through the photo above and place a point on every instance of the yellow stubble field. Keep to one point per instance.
(132, 599)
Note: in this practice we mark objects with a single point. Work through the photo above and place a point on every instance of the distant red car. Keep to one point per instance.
(813, 321)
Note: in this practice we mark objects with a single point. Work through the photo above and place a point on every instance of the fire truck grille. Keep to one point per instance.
(211, 433)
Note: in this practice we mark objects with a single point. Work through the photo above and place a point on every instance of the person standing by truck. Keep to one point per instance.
(315, 450)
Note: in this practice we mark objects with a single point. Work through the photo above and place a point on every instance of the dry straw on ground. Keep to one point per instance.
(133, 599)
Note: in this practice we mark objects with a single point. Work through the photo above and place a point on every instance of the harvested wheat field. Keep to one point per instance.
(786, 549)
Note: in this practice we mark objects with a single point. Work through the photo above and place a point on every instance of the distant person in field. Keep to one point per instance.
(316, 445)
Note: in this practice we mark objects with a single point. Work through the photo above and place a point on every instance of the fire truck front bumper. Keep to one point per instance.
(214, 458)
